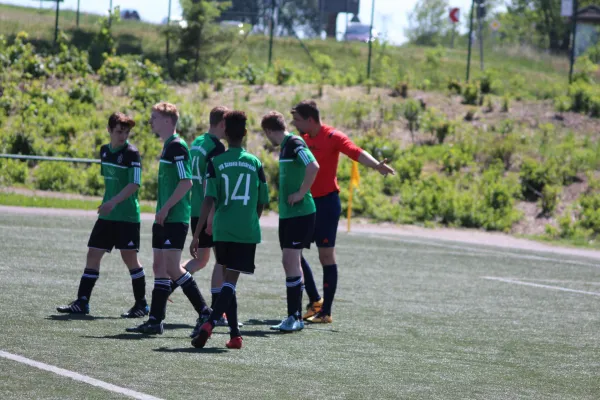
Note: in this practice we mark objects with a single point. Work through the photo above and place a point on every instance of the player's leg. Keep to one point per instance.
(100, 242)
(128, 243)
(237, 258)
(226, 298)
(205, 243)
(328, 215)
(162, 286)
(138, 284)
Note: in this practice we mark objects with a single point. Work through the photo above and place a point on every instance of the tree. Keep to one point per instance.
(296, 14)
(428, 22)
(539, 23)
(201, 41)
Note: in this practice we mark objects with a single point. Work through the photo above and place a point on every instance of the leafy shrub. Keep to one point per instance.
(412, 113)
(283, 73)
(562, 104)
(503, 150)
(535, 176)
(408, 168)
(580, 93)
(114, 71)
(454, 86)
(85, 91)
(488, 82)
(505, 103)
(595, 106)
(13, 171)
(589, 217)
(379, 147)
(470, 94)
(549, 199)
(454, 159)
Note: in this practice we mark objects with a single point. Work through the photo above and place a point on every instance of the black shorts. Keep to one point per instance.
(171, 236)
(297, 232)
(329, 209)
(118, 234)
(236, 256)
(205, 240)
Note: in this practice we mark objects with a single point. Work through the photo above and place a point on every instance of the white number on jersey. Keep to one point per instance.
(235, 196)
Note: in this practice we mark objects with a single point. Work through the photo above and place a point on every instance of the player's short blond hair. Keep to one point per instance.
(167, 110)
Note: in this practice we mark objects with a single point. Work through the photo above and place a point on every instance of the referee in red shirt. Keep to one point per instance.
(326, 143)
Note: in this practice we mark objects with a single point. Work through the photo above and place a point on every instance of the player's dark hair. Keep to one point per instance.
(119, 118)
(235, 125)
(217, 114)
(273, 121)
(307, 109)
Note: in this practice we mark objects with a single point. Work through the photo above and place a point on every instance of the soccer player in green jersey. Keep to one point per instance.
(118, 224)
(297, 172)
(236, 185)
(204, 148)
(171, 222)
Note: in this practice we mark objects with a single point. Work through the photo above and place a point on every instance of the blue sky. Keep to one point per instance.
(391, 16)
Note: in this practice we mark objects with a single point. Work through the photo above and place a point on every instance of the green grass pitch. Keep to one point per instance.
(413, 319)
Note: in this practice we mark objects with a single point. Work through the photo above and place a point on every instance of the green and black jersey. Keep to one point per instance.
(236, 180)
(203, 149)
(120, 167)
(175, 165)
(293, 159)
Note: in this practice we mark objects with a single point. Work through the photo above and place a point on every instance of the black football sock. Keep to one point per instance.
(160, 294)
(309, 281)
(222, 303)
(191, 290)
(86, 285)
(232, 318)
(294, 288)
(138, 283)
(330, 278)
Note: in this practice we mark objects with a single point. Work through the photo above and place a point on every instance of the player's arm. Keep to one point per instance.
(346, 146)
(263, 191)
(211, 215)
(208, 205)
(305, 157)
(219, 149)
(181, 160)
(135, 180)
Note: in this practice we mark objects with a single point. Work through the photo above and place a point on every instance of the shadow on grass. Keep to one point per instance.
(211, 350)
(76, 317)
(178, 326)
(261, 334)
(123, 336)
(258, 322)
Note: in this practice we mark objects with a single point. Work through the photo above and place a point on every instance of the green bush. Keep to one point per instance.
(408, 168)
(85, 91)
(454, 159)
(114, 71)
(283, 73)
(13, 171)
(502, 149)
(488, 83)
(536, 175)
(57, 177)
(580, 94)
(589, 217)
(470, 94)
(550, 199)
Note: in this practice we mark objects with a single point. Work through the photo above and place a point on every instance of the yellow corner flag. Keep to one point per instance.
(354, 182)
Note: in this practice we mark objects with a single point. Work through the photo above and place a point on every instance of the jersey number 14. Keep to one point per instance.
(235, 195)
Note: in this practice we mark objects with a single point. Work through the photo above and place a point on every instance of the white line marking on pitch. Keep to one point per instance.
(78, 377)
(477, 252)
(562, 289)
